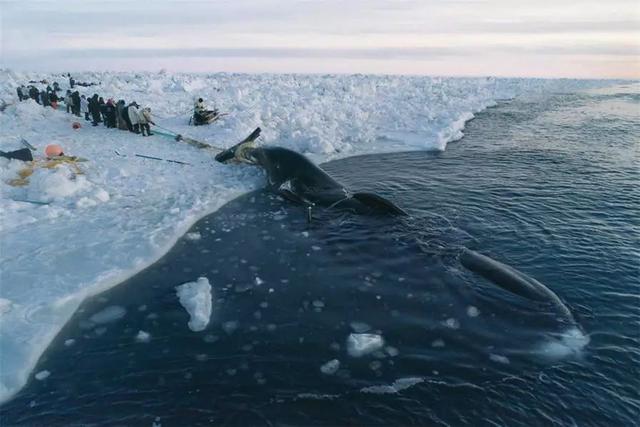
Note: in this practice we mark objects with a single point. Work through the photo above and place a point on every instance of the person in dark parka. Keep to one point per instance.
(44, 98)
(125, 116)
(120, 113)
(94, 110)
(53, 99)
(34, 94)
(76, 103)
(103, 110)
(110, 114)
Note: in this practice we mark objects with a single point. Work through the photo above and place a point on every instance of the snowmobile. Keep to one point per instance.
(205, 117)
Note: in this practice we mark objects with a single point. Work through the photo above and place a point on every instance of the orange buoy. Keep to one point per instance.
(76, 125)
(53, 150)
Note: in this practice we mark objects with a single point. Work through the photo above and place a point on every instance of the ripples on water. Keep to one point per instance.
(548, 187)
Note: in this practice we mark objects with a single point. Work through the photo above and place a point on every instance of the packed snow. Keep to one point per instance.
(195, 297)
(71, 233)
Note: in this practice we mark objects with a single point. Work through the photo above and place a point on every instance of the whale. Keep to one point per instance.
(296, 178)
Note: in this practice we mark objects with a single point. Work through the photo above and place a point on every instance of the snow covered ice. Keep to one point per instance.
(195, 297)
(80, 234)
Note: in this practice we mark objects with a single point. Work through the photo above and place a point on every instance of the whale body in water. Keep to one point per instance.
(298, 179)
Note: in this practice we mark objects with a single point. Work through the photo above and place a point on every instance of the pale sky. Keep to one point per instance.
(518, 38)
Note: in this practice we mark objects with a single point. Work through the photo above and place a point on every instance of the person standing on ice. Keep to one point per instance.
(84, 107)
(110, 114)
(122, 115)
(20, 93)
(68, 101)
(34, 93)
(44, 98)
(94, 109)
(134, 117)
(144, 118)
(53, 100)
(103, 110)
(75, 105)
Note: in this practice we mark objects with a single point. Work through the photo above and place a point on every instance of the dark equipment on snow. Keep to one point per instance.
(24, 154)
(205, 117)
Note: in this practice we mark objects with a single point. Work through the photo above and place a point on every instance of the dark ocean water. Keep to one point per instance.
(546, 185)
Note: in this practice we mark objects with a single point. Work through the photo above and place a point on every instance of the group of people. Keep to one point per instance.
(95, 109)
(113, 114)
(47, 98)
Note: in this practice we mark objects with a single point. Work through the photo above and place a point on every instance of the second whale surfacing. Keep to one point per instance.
(296, 178)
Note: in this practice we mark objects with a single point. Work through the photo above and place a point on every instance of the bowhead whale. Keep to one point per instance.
(299, 180)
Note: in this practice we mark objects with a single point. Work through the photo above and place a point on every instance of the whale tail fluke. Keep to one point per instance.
(235, 153)
(378, 203)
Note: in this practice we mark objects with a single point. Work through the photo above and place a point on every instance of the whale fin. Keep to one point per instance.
(378, 203)
(514, 281)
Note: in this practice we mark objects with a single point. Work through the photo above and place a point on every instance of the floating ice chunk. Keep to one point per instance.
(193, 236)
(472, 311)
(499, 359)
(452, 323)
(109, 314)
(42, 375)
(259, 281)
(230, 326)
(395, 387)
(195, 297)
(359, 327)
(69, 342)
(143, 336)
(359, 345)
(392, 351)
(315, 396)
(437, 343)
(331, 367)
